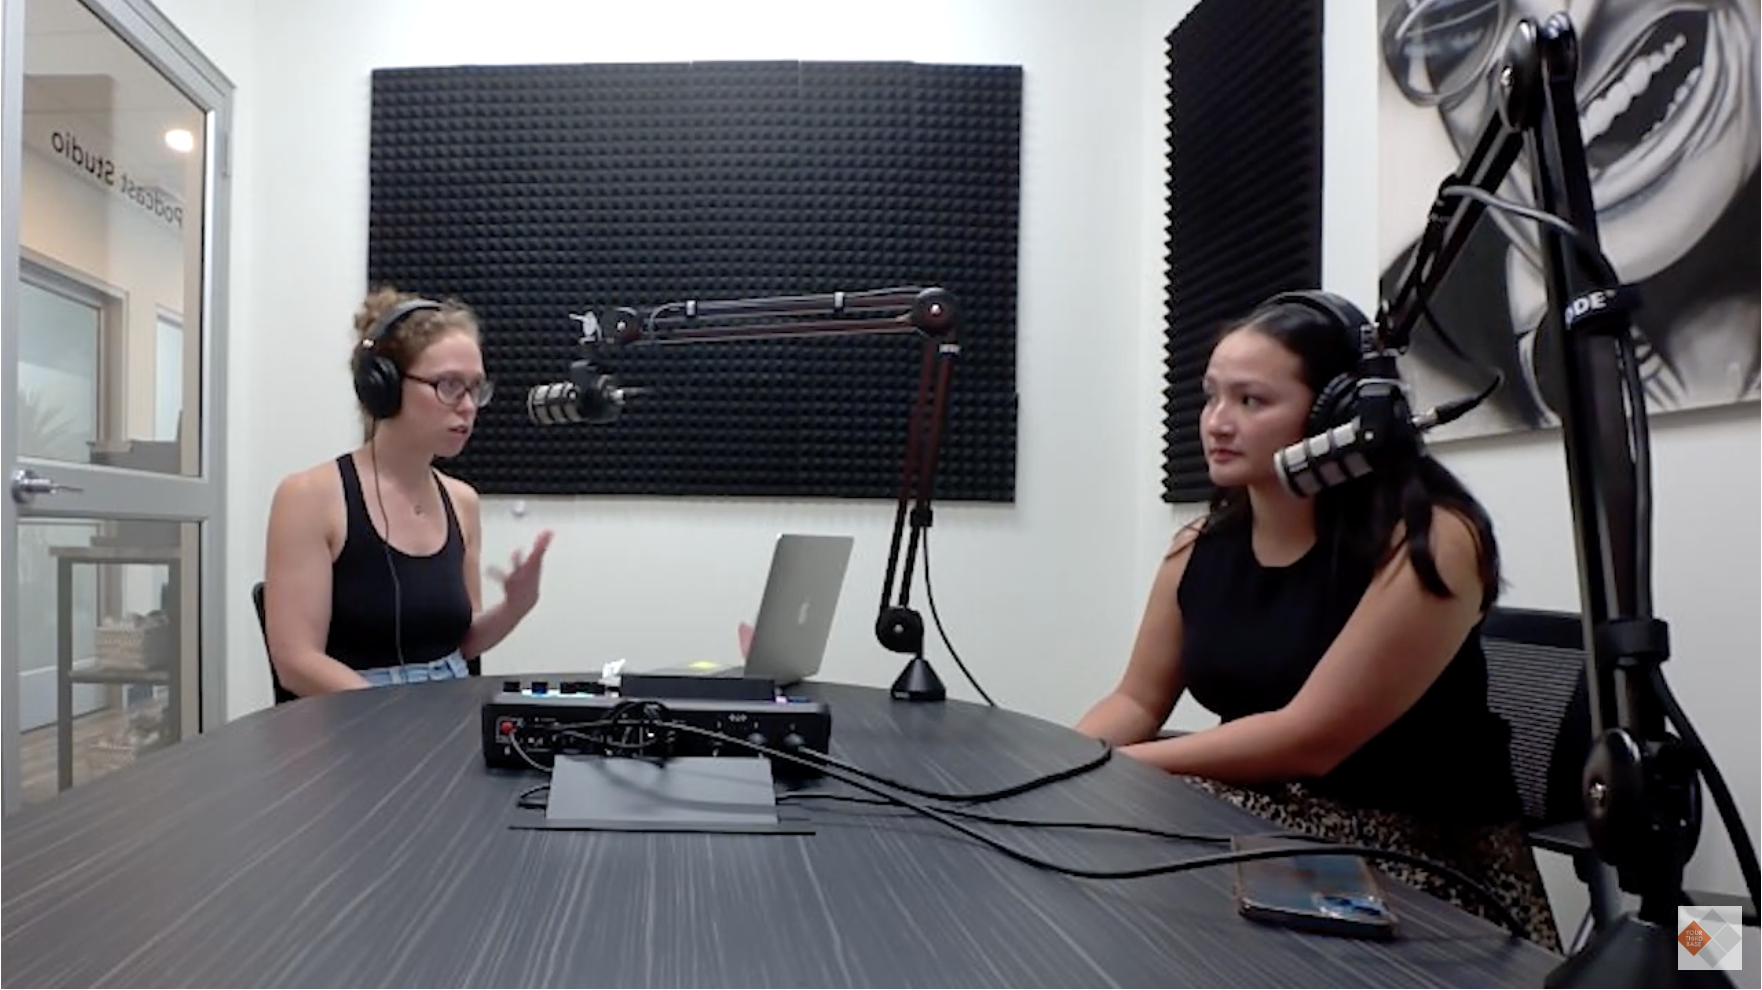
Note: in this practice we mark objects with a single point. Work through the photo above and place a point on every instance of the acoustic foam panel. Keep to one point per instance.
(1244, 192)
(536, 192)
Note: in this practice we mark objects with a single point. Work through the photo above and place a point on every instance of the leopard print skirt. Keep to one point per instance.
(1499, 857)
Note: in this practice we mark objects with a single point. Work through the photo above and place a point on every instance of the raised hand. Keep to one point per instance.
(520, 582)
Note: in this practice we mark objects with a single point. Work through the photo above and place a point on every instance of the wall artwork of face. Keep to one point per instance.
(1668, 108)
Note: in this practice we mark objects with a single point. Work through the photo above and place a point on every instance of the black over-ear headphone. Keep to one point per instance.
(379, 382)
(1333, 404)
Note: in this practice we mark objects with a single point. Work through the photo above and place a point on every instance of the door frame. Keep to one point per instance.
(108, 491)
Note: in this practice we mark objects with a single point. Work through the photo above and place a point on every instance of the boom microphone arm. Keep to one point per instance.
(1641, 784)
(927, 312)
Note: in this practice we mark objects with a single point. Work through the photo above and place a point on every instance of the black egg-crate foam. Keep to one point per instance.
(535, 192)
(1244, 192)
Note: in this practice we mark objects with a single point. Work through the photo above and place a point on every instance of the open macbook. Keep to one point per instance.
(795, 613)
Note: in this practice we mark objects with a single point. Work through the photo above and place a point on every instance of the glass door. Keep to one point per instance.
(112, 228)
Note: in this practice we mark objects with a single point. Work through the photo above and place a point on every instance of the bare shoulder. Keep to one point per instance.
(310, 500)
(311, 489)
(1184, 539)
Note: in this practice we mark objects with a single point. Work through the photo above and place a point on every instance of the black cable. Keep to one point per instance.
(1592, 250)
(980, 816)
(827, 760)
(1728, 809)
(1640, 450)
(1452, 410)
(572, 728)
(623, 710)
(948, 817)
(1640, 436)
(930, 594)
(1198, 862)
(385, 543)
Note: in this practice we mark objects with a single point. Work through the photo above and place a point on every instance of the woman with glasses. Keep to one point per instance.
(372, 564)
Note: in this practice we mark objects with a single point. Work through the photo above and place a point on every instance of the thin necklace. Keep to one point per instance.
(415, 506)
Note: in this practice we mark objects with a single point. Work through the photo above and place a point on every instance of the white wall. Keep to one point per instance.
(666, 580)
(661, 580)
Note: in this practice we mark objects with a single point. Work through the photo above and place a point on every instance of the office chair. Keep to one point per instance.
(1535, 679)
(281, 693)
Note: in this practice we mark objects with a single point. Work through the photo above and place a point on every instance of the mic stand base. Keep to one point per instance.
(918, 682)
(1632, 952)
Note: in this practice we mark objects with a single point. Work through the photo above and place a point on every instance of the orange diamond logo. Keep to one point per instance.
(1693, 938)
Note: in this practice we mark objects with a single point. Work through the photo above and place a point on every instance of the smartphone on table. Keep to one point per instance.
(1329, 893)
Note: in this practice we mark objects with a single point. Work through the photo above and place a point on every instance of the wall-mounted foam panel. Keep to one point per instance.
(1244, 191)
(535, 192)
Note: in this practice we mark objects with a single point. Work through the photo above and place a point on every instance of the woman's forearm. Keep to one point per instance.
(318, 673)
(490, 627)
(1250, 750)
(1118, 720)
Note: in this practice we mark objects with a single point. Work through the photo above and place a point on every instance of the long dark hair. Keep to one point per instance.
(1357, 520)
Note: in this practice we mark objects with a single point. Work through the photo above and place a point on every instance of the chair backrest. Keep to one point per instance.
(281, 693)
(1536, 680)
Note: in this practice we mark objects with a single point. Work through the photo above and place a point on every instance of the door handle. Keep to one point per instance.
(28, 484)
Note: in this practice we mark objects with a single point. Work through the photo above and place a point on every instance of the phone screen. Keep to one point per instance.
(1333, 893)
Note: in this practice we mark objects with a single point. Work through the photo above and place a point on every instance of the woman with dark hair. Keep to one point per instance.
(1336, 637)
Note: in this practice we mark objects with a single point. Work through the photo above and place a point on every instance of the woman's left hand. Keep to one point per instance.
(520, 583)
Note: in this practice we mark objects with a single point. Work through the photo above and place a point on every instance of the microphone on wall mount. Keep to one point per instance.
(591, 395)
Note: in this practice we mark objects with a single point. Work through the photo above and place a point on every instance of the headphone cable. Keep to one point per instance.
(385, 544)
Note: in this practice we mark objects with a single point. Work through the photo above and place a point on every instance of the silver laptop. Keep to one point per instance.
(795, 614)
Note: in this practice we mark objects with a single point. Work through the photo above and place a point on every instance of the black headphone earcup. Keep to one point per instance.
(1332, 406)
(378, 385)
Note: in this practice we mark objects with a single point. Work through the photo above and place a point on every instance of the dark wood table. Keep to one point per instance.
(359, 840)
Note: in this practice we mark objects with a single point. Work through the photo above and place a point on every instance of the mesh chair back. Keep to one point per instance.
(1535, 679)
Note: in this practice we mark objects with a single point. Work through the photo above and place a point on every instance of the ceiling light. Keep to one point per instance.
(180, 140)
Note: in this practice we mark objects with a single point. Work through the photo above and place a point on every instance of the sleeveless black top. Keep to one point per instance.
(1254, 633)
(429, 609)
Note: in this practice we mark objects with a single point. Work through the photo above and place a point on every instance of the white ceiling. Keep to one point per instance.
(80, 74)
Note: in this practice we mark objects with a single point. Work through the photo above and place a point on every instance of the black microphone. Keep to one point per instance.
(1350, 450)
(1381, 434)
(590, 396)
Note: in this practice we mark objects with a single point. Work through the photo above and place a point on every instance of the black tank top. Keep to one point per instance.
(433, 606)
(1254, 633)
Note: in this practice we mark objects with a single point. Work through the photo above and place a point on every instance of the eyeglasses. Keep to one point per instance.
(1438, 50)
(452, 390)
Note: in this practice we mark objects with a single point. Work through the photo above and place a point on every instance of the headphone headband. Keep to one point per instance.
(379, 382)
(394, 315)
(1353, 324)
